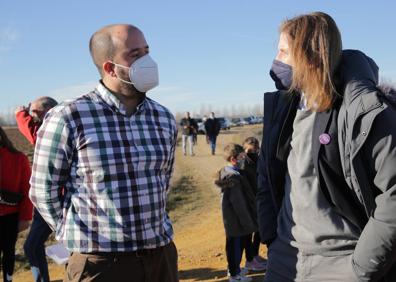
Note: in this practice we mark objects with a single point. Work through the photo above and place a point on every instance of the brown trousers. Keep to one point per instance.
(157, 265)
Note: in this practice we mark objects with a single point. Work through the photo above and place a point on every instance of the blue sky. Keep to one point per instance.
(209, 52)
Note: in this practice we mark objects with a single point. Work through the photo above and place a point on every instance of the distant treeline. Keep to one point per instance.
(229, 111)
(7, 119)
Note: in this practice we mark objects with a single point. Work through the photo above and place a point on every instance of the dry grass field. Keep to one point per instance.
(193, 205)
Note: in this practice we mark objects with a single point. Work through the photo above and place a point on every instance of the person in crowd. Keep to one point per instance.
(238, 218)
(204, 119)
(113, 152)
(15, 206)
(29, 120)
(212, 129)
(195, 137)
(189, 129)
(251, 147)
(327, 179)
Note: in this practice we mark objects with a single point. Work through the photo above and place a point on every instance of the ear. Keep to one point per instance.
(109, 69)
(233, 160)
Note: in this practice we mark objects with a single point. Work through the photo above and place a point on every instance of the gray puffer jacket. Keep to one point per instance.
(238, 216)
(366, 126)
(367, 142)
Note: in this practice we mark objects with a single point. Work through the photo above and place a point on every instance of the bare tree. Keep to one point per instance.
(226, 111)
(257, 110)
(179, 116)
(234, 111)
(7, 117)
(203, 110)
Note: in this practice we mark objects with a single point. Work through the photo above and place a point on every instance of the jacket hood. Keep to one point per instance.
(389, 92)
(227, 178)
(358, 74)
(355, 65)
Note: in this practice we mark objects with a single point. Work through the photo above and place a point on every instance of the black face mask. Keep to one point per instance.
(253, 157)
(282, 74)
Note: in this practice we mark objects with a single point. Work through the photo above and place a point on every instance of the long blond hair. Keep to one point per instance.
(316, 47)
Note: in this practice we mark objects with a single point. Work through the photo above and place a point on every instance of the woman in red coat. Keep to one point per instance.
(15, 206)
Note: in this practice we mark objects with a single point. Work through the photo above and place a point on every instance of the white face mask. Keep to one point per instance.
(143, 73)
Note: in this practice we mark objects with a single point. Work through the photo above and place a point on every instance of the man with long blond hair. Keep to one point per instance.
(327, 178)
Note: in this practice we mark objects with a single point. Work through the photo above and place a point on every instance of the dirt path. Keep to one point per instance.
(199, 234)
(200, 237)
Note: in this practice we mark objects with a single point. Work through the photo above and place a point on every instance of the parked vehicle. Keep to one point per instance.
(235, 122)
(253, 120)
(224, 123)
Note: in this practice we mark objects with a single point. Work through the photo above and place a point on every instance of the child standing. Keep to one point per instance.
(254, 261)
(237, 217)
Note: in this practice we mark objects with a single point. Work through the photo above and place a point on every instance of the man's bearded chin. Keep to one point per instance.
(129, 89)
(37, 120)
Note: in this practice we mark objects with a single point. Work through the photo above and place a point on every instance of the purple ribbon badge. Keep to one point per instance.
(324, 138)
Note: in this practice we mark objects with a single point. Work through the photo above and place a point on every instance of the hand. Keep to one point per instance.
(23, 225)
(20, 109)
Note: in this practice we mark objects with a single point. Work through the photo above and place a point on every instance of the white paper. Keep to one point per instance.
(58, 253)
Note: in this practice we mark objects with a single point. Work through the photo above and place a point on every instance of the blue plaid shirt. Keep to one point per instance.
(115, 171)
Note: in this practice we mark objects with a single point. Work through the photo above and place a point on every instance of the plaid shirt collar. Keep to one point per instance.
(111, 100)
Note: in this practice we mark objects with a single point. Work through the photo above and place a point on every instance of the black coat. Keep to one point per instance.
(212, 127)
(237, 202)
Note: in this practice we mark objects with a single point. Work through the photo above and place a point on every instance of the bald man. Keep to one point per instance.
(113, 151)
